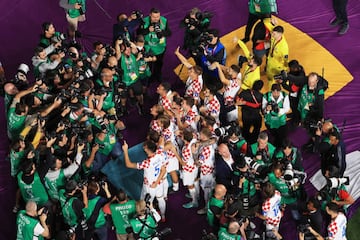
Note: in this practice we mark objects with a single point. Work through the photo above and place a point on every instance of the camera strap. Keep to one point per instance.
(143, 221)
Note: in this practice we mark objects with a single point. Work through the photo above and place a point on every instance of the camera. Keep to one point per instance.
(82, 183)
(147, 199)
(157, 29)
(281, 76)
(45, 210)
(58, 38)
(232, 128)
(207, 236)
(202, 42)
(242, 60)
(314, 125)
(274, 106)
(254, 165)
(138, 14)
(303, 228)
(336, 182)
(295, 179)
(164, 232)
(124, 40)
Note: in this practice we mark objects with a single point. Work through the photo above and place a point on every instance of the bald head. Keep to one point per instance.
(327, 127)
(31, 208)
(234, 227)
(220, 191)
(224, 151)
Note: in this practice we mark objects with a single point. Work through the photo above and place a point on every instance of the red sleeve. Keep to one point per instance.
(252, 105)
(343, 194)
(106, 209)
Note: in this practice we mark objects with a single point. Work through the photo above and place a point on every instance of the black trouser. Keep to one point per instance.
(279, 134)
(340, 10)
(252, 19)
(294, 101)
(156, 68)
(248, 122)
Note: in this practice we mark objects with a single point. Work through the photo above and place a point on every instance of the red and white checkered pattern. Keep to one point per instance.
(154, 125)
(165, 102)
(152, 166)
(337, 228)
(271, 210)
(231, 91)
(194, 87)
(187, 157)
(207, 159)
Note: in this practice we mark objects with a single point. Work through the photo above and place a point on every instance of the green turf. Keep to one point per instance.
(353, 227)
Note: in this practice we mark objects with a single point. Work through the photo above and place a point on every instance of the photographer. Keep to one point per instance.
(56, 177)
(311, 218)
(335, 155)
(293, 81)
(195, 23)
(262, 149)
(335, 190)
(289, 187)
(290, 154)
(212, 50)
(232, 231)
(75, 13)
(216, 206)
(72, 205)
(17, 113)
(94, 213)
(336, 230)
(126, 26)
(121, 209)
(155, 30)
(275, 105)
(144, 58)
(311, 103)
(42, 61)
(49, 35)
(109, 142)
(31, 222)
(98, 55)
(145, 223)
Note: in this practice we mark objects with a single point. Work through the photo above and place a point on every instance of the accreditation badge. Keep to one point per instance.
(112, 139)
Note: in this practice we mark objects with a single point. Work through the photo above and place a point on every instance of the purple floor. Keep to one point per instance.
(21, 23)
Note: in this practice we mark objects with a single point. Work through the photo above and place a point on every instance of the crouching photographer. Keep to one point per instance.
(335, 190)
(312, 217)
(288, 182)
(144, 225)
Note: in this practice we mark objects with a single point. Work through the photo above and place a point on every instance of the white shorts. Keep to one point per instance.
(74, 21)
(233, 115)
(189, 177)
(154, 192)
(173, 165)
(207, 181)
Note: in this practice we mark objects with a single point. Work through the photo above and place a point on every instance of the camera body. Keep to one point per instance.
(274, 106)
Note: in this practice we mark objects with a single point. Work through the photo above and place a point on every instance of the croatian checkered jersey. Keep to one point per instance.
(271, 210)
(152, 166)
(337, 228)
(187, 157)
(231, 91)
(213, 108)
(194, 87)
(207, 159)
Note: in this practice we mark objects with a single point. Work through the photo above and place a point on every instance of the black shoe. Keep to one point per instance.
(78, 34)
(335, 22)
(132, 101)
(344, 28)
(245, 40)
(140, 109)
